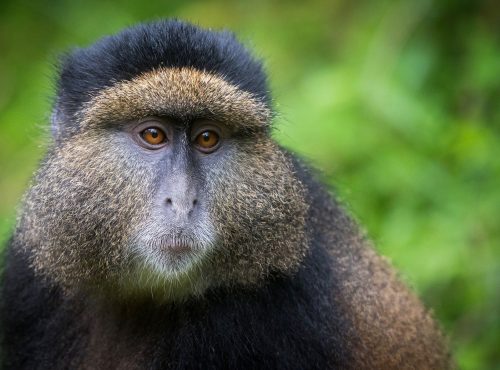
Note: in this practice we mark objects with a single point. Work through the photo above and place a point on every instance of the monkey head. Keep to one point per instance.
(162, 176)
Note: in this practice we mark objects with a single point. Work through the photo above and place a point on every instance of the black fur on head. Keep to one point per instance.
(145, 47)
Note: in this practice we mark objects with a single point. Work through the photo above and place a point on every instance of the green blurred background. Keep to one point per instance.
(398, 102)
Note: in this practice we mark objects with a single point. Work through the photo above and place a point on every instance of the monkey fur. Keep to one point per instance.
(279, 276)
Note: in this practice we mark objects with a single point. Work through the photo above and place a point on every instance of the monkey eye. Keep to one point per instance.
(207, 141)
(153, 136)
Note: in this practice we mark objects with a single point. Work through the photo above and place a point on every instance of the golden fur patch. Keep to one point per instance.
(393, 329)
(181, 93)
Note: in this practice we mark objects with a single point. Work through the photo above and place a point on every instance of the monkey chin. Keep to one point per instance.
(168, 269)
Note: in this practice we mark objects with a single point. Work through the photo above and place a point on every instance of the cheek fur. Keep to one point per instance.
(82, 205)
(101, 194)
(259, 212)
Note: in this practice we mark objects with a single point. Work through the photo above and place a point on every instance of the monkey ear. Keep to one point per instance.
(56, 120)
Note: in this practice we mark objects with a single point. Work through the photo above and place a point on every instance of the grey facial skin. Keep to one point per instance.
(177, 234)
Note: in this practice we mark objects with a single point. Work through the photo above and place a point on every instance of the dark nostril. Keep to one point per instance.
(195, 202)
(169, 201)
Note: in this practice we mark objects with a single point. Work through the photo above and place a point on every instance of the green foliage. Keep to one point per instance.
(397, 103)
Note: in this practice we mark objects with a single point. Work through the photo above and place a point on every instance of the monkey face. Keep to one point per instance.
(170, 183)
(176, 233)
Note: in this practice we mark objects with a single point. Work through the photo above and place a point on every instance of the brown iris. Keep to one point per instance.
(207, 140)
(153, 136)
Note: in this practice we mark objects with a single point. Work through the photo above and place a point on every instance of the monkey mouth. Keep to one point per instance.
(176, 248)
(174, 245)
(170, 252)
(173, 251)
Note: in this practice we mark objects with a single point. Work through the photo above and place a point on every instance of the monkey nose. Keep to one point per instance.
(181, 206)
